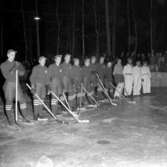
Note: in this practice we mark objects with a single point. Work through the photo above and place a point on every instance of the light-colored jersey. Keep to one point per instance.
(118, 69)
(136, 71)
(128, 70)
(145, 71)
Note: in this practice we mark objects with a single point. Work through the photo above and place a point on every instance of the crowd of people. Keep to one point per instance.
(71, 81)
(157, 60)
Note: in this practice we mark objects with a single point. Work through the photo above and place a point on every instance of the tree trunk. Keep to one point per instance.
(114, 25)
(129, 25)
(73, 30)
(136, 38)
(135, 30)
(37, 30)
(2, 41)
(38, 39)
(58, 27)
(96, 30)
(151, 26)
(24, 31)
(83, 30)
(108, 28)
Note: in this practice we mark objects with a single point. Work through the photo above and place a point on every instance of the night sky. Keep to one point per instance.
(63, 19)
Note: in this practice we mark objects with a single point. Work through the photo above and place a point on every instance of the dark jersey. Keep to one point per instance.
(8, 70)
(108, 73)
(55, 72)
(101, 70)
(66, 70)
(93, 68)
(86, 73)
(39, 75)
(76, 73)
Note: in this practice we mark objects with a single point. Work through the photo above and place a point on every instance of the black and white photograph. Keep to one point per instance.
(83, 83)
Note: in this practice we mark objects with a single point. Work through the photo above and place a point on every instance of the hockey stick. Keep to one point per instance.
(82, 86)
(124, 97)
(74, 115)
(129, 101)
(80, 99)
(46, 107)
(80, 96)
(66, 101)
(104, 90)
(16, 97)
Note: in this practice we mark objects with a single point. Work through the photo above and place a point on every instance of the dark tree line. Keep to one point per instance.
(82, 27)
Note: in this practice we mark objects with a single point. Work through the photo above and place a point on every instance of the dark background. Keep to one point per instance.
(18, 28)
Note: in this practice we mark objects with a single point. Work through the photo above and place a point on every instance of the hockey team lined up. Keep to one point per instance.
(65, 78)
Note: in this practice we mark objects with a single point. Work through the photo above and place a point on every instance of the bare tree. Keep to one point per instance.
(24, 31)
(151, 26)
(135, 30)
(83, 30)
(2, 41)
(108, 27)
(129, 24)
(73, 29)
(58, 27)
(114, 25)
(37, 29)
(96, 29)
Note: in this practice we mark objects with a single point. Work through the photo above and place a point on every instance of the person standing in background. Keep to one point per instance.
(137, 79)
(118, 78)
(128, 77)
(146, 78)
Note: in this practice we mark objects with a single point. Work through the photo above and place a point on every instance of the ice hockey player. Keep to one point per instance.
(55, 82)
(108, 79)
(76, 82)
(8, 69)
(101, 73)
(39, 81)
(118, 78)
(86, 80)
(93, 68)
(67, 78)
(101, 68)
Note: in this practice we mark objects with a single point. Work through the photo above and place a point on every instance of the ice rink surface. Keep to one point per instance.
(128, 135)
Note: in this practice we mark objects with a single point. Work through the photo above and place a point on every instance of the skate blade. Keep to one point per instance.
(92, 105)
(82, 109)
(14, 127)
(83, 121)
(62, 121)
(114, 104)
(132, 102)
(42, 119)
(27, 123)
(103, 101)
